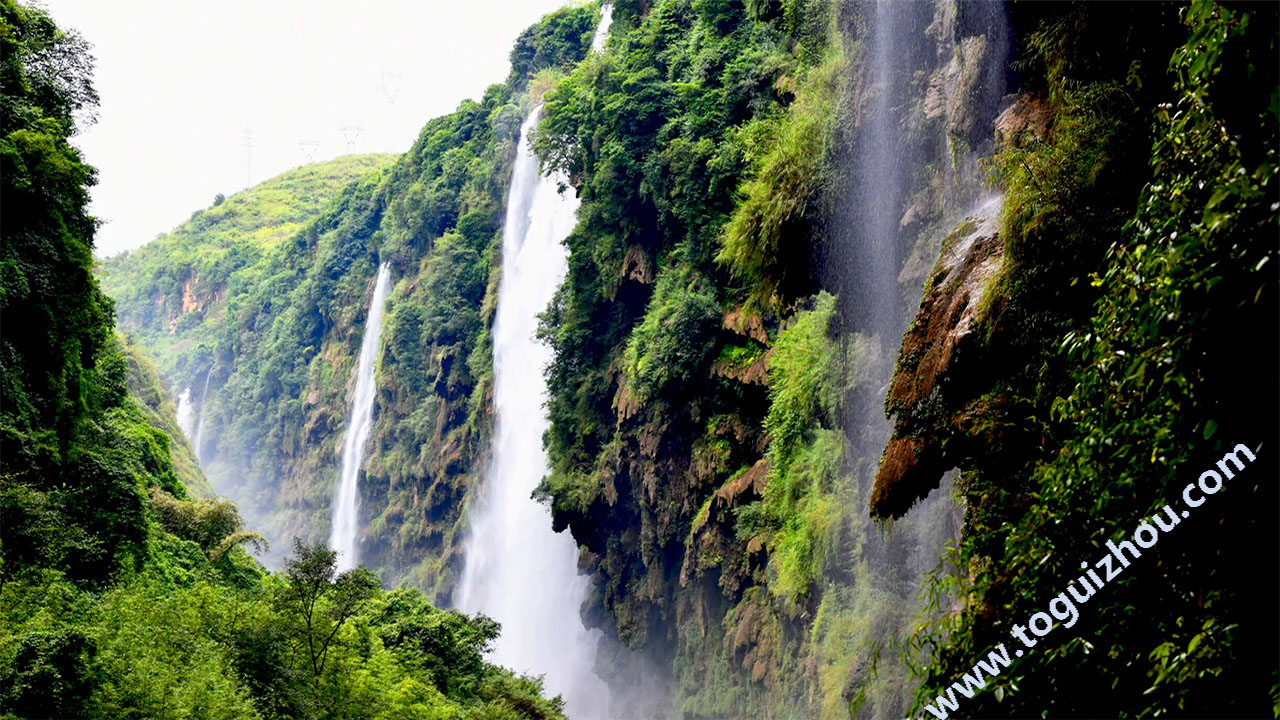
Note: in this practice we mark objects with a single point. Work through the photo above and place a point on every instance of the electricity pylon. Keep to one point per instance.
(308, 148)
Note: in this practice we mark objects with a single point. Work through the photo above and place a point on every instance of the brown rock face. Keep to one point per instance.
(190, 302)
(1026, 120)
(636, 266)
(941, 344)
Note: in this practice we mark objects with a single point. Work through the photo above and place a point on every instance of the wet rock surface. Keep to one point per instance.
(944, 343)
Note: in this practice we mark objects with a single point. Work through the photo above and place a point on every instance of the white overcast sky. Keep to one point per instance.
(181, 81)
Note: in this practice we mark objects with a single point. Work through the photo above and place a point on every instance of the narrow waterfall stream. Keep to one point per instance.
(346, 499)
(519, 571)
(198, 439)
(186, 413)
(893, 169)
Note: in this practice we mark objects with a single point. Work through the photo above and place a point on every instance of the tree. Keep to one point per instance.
(445, 643)
(318, 601)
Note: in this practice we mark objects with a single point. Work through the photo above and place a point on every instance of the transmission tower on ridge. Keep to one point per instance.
(390, 83)
(390, 86)
(246, 139)
(351, 133)
(308, 148)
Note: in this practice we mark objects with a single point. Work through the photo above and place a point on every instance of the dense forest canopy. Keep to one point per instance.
(879, 319)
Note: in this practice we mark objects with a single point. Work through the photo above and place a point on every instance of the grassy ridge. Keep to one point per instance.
(233, 244)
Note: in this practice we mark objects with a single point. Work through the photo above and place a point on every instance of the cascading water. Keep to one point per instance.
(902, 201)
(519, 571)
(602, 30)
(346, 501)
(186, 413)
(197, 442)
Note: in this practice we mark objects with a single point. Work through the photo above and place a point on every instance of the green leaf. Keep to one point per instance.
(1195, 643)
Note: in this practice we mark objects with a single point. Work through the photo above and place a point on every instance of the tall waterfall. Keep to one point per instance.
(913, 175)
(519, 571)
(346, 503)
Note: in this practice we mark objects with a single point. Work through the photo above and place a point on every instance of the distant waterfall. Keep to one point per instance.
(186, 413)
(518, 570)
(346, 499)
(198, 441)
(602, 30)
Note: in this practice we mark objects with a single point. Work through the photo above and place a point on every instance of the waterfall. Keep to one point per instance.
(186, 413)
(346, 504)
(602, 30)
(518, 571)
(197, 442)
(914, 175)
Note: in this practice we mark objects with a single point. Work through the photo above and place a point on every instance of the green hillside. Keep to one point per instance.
(120, 594)
(172, 291)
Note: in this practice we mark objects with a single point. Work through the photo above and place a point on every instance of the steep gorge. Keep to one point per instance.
(280, 358)
(769, 193)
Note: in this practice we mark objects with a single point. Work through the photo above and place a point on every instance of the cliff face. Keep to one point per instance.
(714, 399)
(1067, 357)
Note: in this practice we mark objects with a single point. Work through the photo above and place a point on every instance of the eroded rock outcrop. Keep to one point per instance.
(1024, 121)
(945, 342)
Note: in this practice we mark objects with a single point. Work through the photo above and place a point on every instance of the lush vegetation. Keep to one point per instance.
(717, 390)
(174, 292)
(120, 596)
(1137, 342)
(701, 380)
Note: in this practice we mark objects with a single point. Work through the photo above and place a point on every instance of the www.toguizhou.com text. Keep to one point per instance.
(1063, 607)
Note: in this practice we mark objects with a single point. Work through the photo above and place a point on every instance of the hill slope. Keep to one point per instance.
(158, 286)
(120, 596)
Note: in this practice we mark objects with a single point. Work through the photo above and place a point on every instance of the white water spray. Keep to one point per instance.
(602, 30)
(346, 501)
(186, 413)
(198, 441)
(518, 571)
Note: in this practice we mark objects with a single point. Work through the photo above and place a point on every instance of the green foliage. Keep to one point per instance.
(164, 287)
(789, 155)
(1153, 395)
(48, 674)
(667, 349)
(204, 648)
(558, 41)
(804, 499)
(805, 373)
(801, 512)
(45, 259)
(213, 524)
(650, 133)
(320, 601)
(76, 450)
